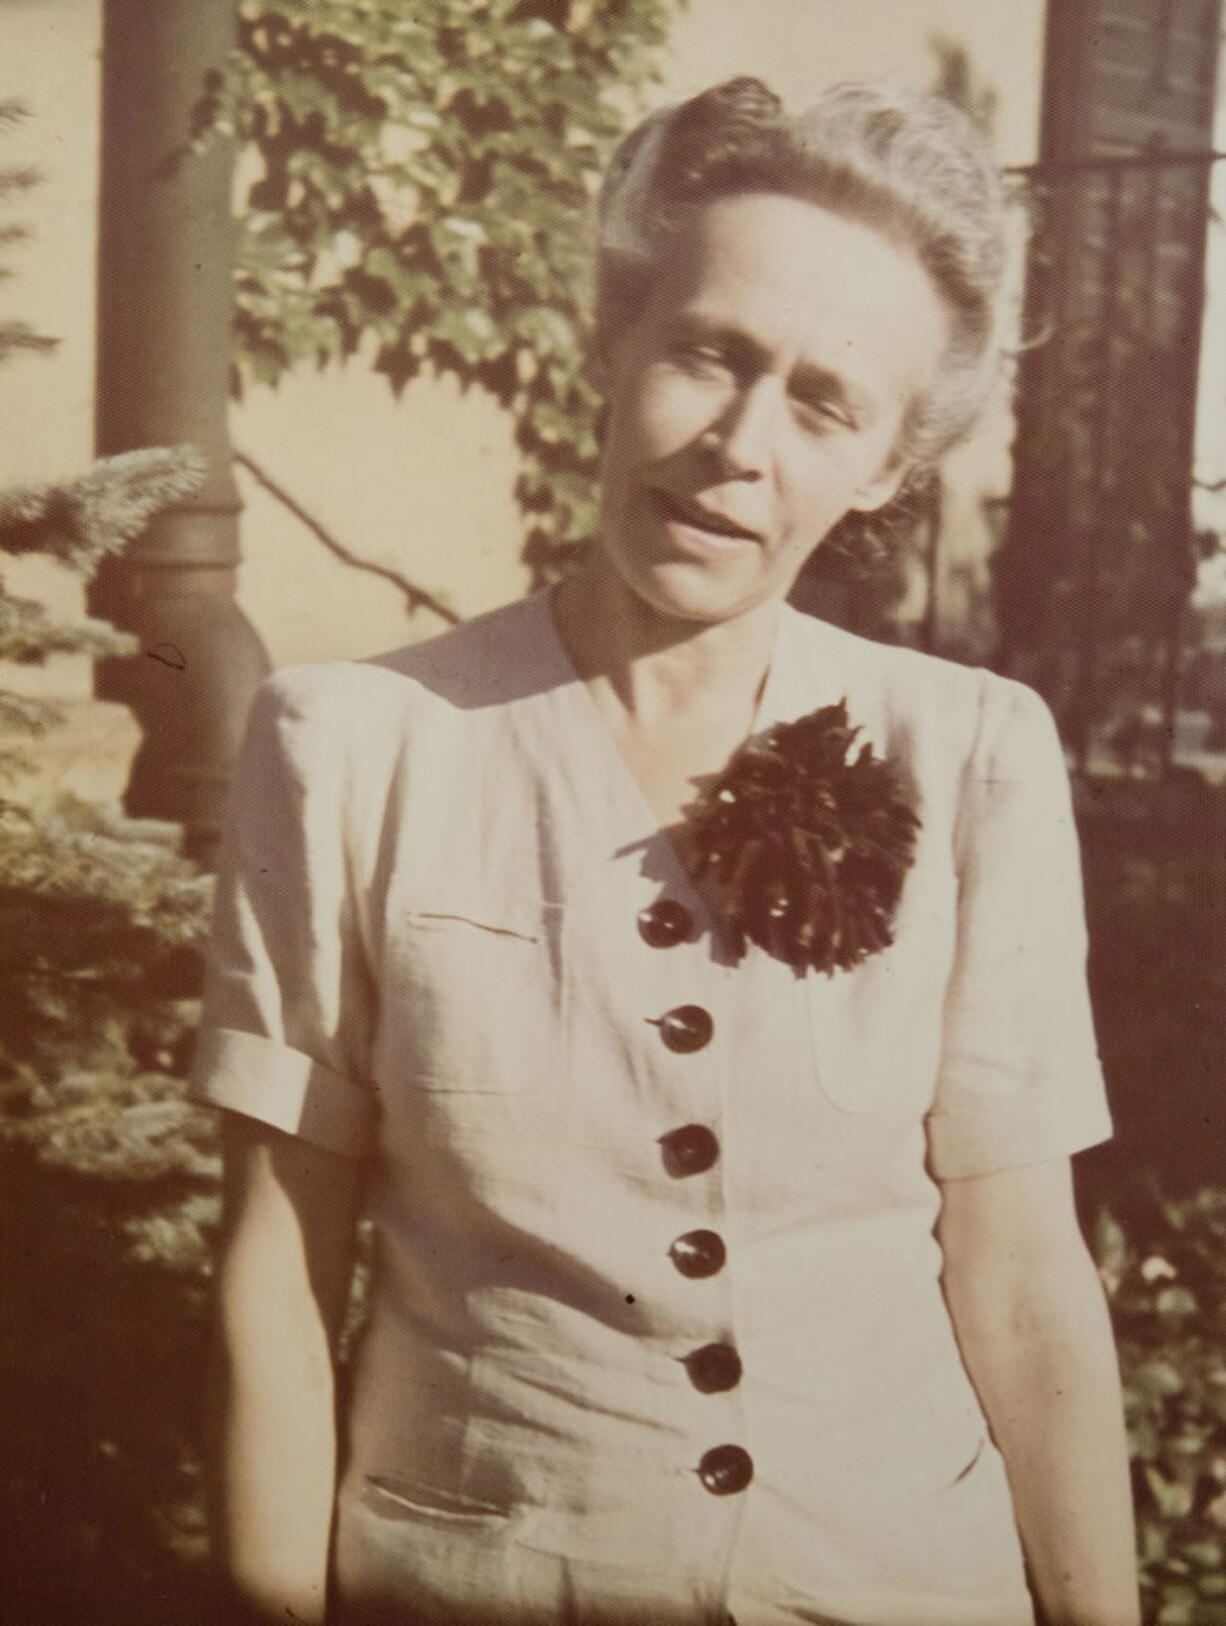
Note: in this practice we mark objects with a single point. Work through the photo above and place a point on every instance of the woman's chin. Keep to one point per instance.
(690, 590)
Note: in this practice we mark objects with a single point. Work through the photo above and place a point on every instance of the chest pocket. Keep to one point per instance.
(474, 998)
(876, 1032)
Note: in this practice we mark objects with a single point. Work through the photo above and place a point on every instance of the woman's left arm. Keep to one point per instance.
(1032, 1324)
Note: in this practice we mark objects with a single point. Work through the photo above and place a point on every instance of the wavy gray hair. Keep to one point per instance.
(911, 166)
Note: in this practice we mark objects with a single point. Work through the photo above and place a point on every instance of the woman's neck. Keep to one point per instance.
(677, 697)
(654, 669)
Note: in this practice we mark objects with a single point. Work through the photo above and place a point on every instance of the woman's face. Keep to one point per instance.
(757, 398)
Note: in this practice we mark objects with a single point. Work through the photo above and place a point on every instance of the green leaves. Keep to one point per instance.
(1169, 1305)
(16, 336)
(29, 635)
(100, 923)
(425, 179)
(80, 521)
(93, 906)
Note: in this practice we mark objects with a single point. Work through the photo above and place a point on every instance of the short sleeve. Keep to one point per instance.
(288, 998)
(1020, 1080)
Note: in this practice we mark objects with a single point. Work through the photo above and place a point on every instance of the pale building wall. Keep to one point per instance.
(49, 62)
(422, 484)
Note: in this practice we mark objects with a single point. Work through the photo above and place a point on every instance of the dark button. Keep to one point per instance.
(726, 1469)
(692, 1149)
(699, 1253)
(687, 1028)
(665, 924)
(714, 1368)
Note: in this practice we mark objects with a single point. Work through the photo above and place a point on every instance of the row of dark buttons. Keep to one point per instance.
(665, 923)
(693, 1149)
(714, 1369)
(699, 1253)
(726, 1469)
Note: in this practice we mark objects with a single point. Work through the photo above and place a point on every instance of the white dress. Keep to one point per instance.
(656, 1332)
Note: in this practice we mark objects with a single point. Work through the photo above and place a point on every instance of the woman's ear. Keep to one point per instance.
(883, 487)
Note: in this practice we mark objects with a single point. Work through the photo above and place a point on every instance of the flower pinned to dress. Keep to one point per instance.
(808, 842)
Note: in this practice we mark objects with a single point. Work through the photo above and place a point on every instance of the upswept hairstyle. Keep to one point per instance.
(910, 166)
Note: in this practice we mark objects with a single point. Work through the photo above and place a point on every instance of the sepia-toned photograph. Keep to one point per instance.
(612, 813)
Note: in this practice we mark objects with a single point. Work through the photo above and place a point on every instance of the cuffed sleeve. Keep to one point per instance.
(1019, 1080)
(289, 1002)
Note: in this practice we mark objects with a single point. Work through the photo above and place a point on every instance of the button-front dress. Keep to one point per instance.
(656, 1331)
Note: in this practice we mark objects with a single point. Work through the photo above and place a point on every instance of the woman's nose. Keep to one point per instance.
(742, 435)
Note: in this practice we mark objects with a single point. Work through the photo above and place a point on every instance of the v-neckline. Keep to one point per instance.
(637, 812)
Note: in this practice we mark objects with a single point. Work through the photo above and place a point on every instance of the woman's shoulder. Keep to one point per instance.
(949, 721)
(497, 657)
(321, 712)
(924, 690)
(475, 663)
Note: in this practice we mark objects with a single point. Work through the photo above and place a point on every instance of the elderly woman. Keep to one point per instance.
(691, 993)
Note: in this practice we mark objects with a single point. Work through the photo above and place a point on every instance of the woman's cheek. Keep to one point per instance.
(674, 410)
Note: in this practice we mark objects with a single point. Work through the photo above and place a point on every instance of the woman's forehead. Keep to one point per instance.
(773, 237)
(790, 274)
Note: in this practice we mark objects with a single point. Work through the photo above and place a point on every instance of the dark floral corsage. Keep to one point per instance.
(808, 843)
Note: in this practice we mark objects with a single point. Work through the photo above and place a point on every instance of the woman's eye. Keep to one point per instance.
(822, 415)
(702, 357)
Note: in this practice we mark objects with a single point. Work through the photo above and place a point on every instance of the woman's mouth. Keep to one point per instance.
(714, 526)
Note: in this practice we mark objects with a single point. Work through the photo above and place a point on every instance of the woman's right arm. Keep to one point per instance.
(283, 1276)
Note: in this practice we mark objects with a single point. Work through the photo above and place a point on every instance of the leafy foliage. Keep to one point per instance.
(1168, 1291)
(1156, 896)
(99, 919)
(99, 915)
(107, 1176)
(426, 174)
(80, 521)
(15, 335)
(77, 522)
(101, 1353)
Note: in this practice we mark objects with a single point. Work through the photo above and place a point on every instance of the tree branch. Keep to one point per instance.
(417, 598)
